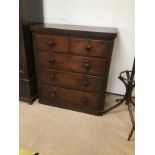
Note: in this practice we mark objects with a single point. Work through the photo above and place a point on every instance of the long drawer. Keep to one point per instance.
(77, 64)
(70, 80)
(60, 96)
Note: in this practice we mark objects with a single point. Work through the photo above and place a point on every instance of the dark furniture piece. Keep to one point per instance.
(127, 77)
(30, 13)
(72, 65)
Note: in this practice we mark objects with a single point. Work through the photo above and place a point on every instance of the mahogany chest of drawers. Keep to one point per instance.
(72, 65)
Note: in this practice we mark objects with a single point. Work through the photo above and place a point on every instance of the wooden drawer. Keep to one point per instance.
(93, 66)
(71, 80)
(51, 43)
(69, 98)
(87, 47)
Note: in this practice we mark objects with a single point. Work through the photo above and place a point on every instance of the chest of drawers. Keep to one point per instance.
(72, 65)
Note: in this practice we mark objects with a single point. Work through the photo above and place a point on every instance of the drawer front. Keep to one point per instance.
(92, 66)
(71, 80)
(51, 43)
(87, 47)
(55, 95)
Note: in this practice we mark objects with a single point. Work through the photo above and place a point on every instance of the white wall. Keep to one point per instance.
(112, 13)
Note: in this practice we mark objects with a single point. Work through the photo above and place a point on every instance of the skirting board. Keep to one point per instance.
(118, 94)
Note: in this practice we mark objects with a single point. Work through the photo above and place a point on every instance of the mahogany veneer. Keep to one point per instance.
(72, 65)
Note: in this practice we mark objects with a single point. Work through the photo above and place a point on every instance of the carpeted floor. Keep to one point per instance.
(27, 152)
(55, 131)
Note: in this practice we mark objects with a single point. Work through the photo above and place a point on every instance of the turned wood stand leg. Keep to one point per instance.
(114, 106)
(129, 84)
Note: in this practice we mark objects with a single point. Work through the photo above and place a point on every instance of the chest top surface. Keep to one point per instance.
(105, 32)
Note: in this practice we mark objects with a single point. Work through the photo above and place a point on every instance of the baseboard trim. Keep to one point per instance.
(117, 94)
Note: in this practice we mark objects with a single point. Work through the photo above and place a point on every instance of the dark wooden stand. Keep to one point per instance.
(31, 12)
(127, 77)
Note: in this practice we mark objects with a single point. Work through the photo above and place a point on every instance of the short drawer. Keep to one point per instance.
(70, 80)
(78, 64)
(88, 47)
(60, 96)
(51, 43)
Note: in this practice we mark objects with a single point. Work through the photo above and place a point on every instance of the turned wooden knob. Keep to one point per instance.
(51, 61)
(87, 65)
(88, 48)
(85, 83)
(52, 76)
(51, 43)
(84, 99)
(53, 95)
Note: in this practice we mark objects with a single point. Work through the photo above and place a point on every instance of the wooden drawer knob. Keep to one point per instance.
(85, 83)
(88, 48)
(84, 99)
(52, 76)
(51, 43)
(51, 61)
(87, 65)
(53, 95)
